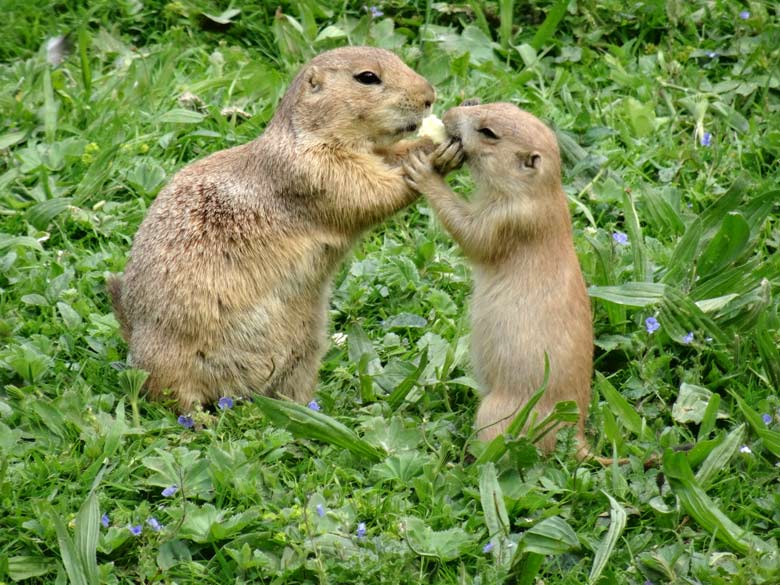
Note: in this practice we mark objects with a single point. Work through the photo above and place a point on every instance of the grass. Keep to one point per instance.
(668, 116)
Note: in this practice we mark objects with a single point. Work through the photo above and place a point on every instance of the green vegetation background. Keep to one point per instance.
(668, 115)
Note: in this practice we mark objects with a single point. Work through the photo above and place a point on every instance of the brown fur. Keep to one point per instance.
(227, 286)
(529, 294)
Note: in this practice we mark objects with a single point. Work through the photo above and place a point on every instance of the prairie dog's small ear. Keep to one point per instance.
(471, 102)
(530, 160)
(314, 79)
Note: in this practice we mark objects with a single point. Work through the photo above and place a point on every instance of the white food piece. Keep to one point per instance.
(433, 128)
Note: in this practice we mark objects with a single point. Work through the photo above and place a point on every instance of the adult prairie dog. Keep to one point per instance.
(227, 285)
(529, 295)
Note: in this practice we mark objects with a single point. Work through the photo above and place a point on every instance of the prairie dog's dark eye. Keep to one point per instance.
(488, 132)
(368, 78)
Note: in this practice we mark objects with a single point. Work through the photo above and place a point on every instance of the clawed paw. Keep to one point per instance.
(418, 170)
(448, 156)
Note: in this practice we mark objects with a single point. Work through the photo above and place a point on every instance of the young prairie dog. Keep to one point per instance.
(529, 294)
(227, 286)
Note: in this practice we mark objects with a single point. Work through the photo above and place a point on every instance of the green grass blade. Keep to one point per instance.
(617, 523)
(87, 532)
(710, 417)
(630, 294)
(528, 568)
(551, 536)
(479, 16)
(634, 230)
(86, 68)
(547, 29)
(767, 349)
(400, 393)
(604, 276)
(43, 212)
(26, 567)
(496, 517)
(700, 231)
(49, 107)
(703, 510)
(69, 554)
(719, 457)
(506, 11)
(770, 438)
(303, 422)
(729, 243)
(622, 409)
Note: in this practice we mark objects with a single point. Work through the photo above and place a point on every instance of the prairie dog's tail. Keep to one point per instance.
(114, 288)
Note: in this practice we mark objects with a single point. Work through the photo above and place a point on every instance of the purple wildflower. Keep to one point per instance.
(135, 530)
(744, 15)
(225, 403)
(170, 490)
(105, 520)
(487, 548)
(375, 11)
(320, 510)
(154, 524)
(767, 418)
(620, 238)
(745, 449)
(314, 405)
(186, 421)
(648, 582)
(361, 530)
(688, 339)
(652, 325)
(706, 139)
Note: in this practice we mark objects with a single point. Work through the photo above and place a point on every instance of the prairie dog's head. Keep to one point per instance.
(358, 96)
(504, 143)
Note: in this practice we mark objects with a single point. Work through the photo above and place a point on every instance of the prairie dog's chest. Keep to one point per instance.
(523, 304)
(309, 259)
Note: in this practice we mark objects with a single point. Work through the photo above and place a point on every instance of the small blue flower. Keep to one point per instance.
(314, 405)
(186, 421)
(745, 449)
(170, 490)
(375, 11)
(711, 54)
(706, 139)
(320, 510)
(744, 15)
(105, 520)
(767, 418)
(688, 339)
(225, 403)
(154, 524)
(487, 548)
(652, 325)
(135, 530)
(361, 530)
(649, 582)
(620, 238)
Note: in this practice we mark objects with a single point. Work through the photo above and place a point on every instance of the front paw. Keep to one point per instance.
(448, 156)
(419, 172)
(422, 144)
